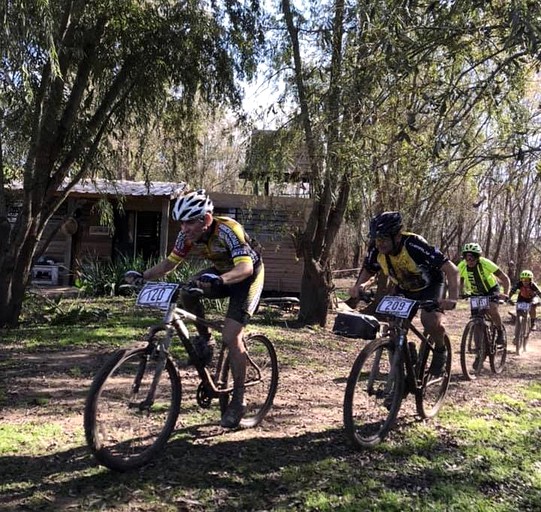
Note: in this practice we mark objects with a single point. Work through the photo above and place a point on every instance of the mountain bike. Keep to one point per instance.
(522, 326)
(479, 340)
(390, 367)
(134, 400)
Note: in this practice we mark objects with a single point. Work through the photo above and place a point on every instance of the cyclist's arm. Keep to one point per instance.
(159, 270)
(504, 279)
(238, 273)
(363, 278)
(453, 283)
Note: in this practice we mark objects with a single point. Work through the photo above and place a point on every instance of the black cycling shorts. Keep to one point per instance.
(243, 297)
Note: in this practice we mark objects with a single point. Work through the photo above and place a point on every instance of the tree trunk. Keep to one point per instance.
(15, 273)
(316, 287)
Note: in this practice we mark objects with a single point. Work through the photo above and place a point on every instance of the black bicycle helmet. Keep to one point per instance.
(385, 224)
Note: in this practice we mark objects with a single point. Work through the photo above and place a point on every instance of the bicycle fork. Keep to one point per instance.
(160, 351)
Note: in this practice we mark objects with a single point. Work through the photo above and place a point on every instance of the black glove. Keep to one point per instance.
(209, 280)
(352, 302)
(133, 277)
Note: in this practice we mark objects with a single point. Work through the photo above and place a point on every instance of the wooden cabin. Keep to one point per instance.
(143, 227)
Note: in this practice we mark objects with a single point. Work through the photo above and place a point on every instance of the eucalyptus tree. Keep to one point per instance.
(401, 102)
(75, 73)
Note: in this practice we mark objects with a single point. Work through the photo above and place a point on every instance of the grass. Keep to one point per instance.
(478, 455)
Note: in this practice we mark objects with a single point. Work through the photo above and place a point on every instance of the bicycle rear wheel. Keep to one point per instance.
(123, 429)
(261, 379)
(373, 394)
(498, 354)
(429, 398)
(472, 349)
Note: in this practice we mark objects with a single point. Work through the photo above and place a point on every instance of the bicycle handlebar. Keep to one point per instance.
(189, 287)
(491, 298)
(367, 297)
(430, 305)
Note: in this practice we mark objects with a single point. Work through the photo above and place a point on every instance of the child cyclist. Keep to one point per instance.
(527, 290)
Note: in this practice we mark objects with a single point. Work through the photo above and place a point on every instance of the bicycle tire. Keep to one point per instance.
(522, 343)
(261, 379)
(527, 330)
(519, 332)
(498, 355)
(473, 349)
(121, 435)
(429, 398)
(371, 400)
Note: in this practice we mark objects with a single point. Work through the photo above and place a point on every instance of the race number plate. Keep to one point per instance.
(156, 295)
(481, 302)
(395, 306)
(523, 306)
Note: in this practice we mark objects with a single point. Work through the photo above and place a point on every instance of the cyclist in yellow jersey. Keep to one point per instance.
(418, 271)
(480, 276)
(237, 272)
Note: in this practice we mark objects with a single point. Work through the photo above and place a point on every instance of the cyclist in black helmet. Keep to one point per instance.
(416, 269)
(237, 272)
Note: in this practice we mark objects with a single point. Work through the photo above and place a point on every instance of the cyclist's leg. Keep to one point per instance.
(494, 314)
(433, 325)
(194, 304)
(203, 342)
(243, 301)
(232, 336)
(432, 321)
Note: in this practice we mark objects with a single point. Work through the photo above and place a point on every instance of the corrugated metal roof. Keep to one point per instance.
(121, 188)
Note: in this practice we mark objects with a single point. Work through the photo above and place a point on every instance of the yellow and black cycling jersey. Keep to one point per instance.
(480, 279)
(225, 244)
(416, 266)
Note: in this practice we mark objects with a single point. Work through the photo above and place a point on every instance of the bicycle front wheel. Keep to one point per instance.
(472, 349)
(126, 423)
(519, 332)
(374, 392)
(498, 353)
(429, 398)
(522, 331)
(261, 380)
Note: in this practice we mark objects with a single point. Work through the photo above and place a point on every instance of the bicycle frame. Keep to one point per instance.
(522, 327)
(174, 322)
(482, 315)
(387, 369)
(398, 333)
(139, 388)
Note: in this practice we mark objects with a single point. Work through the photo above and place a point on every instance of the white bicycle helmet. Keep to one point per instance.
(192, 206)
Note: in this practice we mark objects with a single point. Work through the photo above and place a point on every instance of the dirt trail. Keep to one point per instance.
(52, 386)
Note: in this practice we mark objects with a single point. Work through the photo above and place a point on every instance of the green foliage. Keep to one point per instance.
(77, 76)
(97, 277)
(38, 308)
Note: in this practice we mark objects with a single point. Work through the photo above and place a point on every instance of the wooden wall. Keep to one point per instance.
(269, 220)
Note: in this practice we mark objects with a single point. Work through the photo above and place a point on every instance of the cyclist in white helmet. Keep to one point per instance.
(481, 276)
(237, 272)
